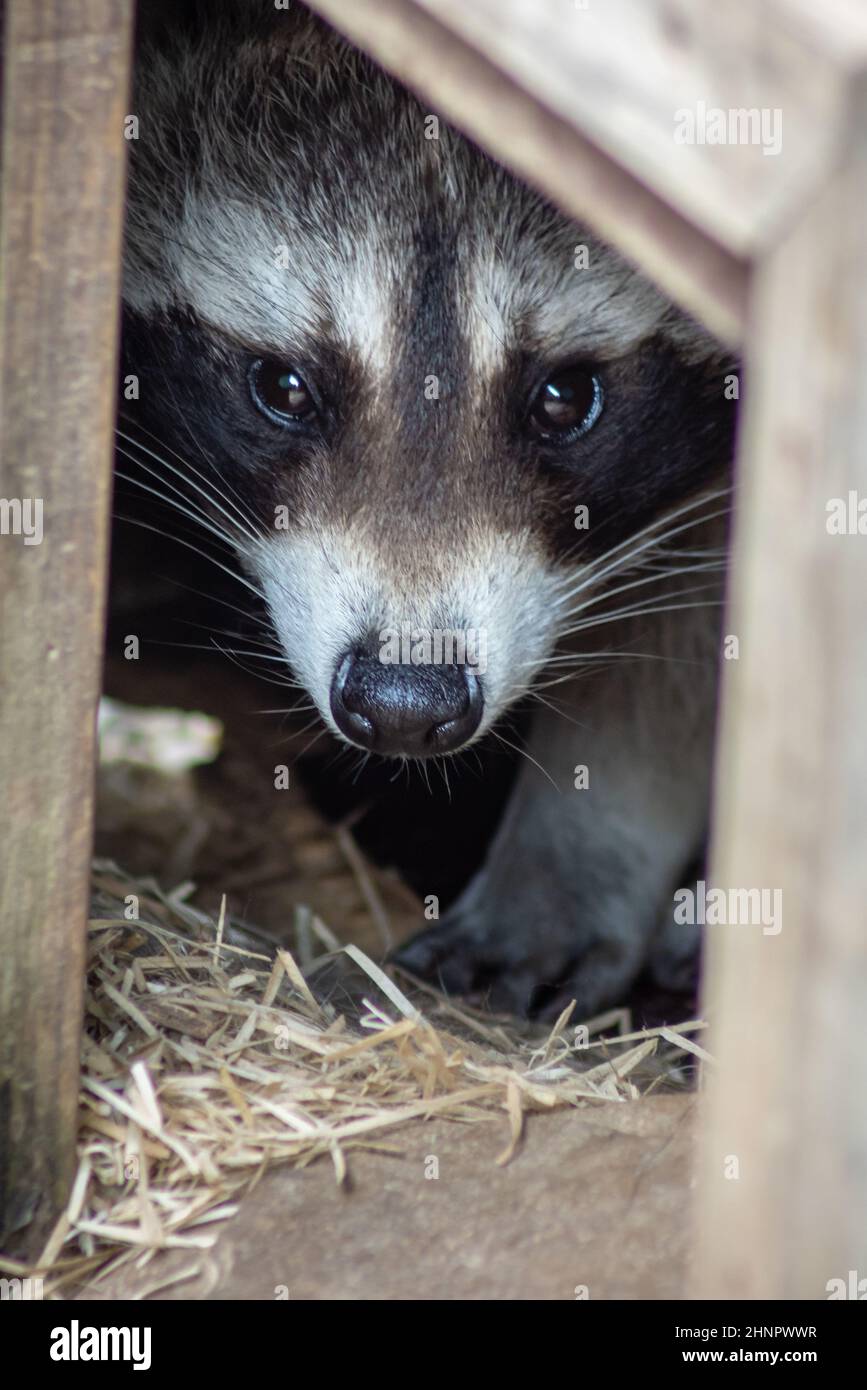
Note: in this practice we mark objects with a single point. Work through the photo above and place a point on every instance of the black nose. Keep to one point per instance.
(414, 711)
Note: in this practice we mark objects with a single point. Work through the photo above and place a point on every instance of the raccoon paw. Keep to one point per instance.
(459, 958)
(514, 972)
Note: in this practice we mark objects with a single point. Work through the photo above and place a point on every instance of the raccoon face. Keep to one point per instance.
(424, 402)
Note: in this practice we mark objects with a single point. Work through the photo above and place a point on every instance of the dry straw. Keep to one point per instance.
(208, 1057)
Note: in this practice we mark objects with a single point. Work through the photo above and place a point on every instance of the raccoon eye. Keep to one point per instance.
(567, 405)
(281, 393)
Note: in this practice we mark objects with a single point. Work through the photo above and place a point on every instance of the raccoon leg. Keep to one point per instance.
(571, 895)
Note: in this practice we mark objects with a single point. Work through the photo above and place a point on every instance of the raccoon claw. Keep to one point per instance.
(457, 958)
(461, 959)
(593, 981)
(435, 954)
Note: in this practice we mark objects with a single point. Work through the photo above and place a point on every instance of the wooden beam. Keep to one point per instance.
(621, 70)
(65, 84)
(784, 1183)
(549, 148)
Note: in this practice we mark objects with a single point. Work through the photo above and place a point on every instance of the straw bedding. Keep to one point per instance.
(208, 1057)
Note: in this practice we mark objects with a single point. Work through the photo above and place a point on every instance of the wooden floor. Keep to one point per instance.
(594, 1206)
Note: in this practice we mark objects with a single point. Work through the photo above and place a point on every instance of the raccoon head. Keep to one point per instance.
(425, 399)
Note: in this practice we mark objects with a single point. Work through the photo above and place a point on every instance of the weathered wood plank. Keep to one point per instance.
(621, 70)
(784, 1192)
(65, 92)
(548, 148)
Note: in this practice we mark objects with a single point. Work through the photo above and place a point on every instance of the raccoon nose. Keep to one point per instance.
(414, 711)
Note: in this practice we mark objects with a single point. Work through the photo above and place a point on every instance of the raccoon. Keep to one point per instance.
(418, 399)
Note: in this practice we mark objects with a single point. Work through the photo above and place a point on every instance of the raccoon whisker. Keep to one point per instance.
(169, 535)
(258, 656)
(227, 651)
(712, 552)
(288, 684)
(462, 756)
(202, 517)
(673, 559)
(344, 752)
(268, 646)
(516, 748)
(406, 764)
(635, 612)
(235, 500)
(240, 526)
(360, 765)
(402, 766)
(269, 641)
(578, 666)
(299, 707)
(232, 652)
(297, 733)
(588, 658)
(283, 737)
(442, 764)
(712, 568)
(246, 529)
(549, 704)
(625, 565)
(179, 530)
(639, 611)
(201, 521)
(654, 527)
(266, 651)
(586, 608)
(591, 574)
(293, 709)
(649, 612)
(245, 613)
(252, 527)
(306, 749)
(573, 675)
(310, 725)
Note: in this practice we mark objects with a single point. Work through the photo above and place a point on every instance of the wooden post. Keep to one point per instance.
(784, 1203)
(65, 89)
